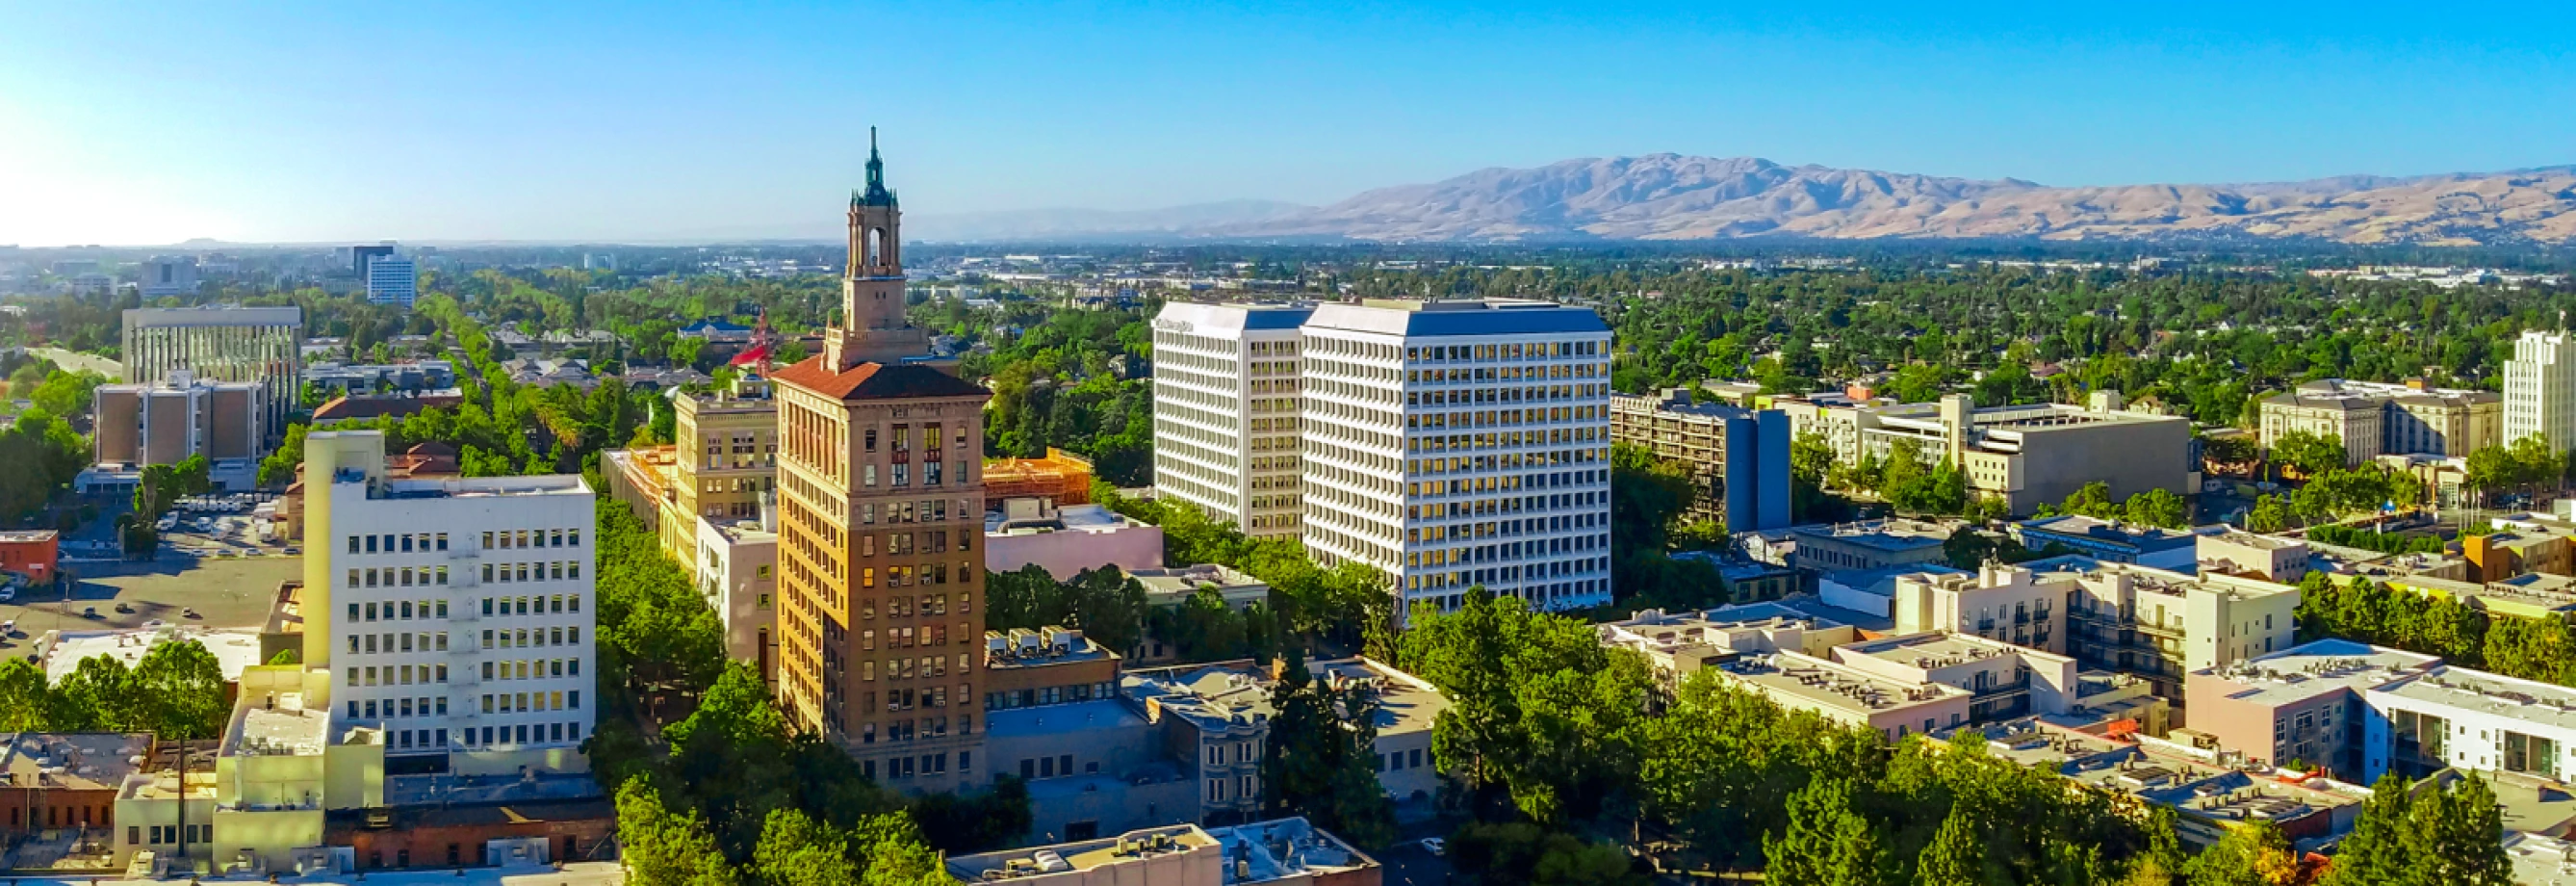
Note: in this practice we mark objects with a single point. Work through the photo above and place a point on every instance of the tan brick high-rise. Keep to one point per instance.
(881, 505)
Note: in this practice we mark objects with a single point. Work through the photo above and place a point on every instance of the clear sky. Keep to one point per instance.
(151, 123)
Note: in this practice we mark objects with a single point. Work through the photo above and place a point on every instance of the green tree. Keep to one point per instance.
(663, 848)
(796, 850)
(2250, 854)
(179, 690)
(2455, 836)
(1956, 856)
(1322, 759)
(2159, 507)
(2374, 853)
(1827, 843)
(26, 702)
(2308, 452)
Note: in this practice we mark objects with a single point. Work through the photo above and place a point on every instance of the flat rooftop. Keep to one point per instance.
(2078, 526)
(478, 487)
(2319, 668)
(2253, 540)
(1051, 645)
(2541, 860)
(1937, 649)
(288, 729)
(2500, 696)
(233, 648)
(742, 531)
(1083, 855)
(1817, 681)
(1069, 518)
(1881, 534)
(1053, 719)
(71, 760)
(1242, 689)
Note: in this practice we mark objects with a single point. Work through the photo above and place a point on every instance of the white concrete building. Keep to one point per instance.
(2454, 717)
(2540, 388)
(168, 275)
(1226, 411)
(737, 572)
(1460, 443)
(459, 612)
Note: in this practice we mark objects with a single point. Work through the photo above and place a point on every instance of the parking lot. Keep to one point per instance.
(225, 592)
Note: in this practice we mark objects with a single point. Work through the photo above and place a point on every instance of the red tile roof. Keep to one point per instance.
(877, 381)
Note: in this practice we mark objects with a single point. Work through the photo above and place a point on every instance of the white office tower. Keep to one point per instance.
(393, 280)
(2540, 389)
(1461, 443)
(1225, 412)
(457, 614)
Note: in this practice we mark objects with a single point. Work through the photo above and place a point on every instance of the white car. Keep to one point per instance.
(6, 595)
(1435, 845)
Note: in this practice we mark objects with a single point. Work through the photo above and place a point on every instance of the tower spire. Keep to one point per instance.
(877, 194)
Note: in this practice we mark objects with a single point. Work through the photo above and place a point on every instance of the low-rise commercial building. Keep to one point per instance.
(2003, 680)
(1869, 544)
(32, 553)
(1681, 644)
(64, 780)
(2267, 557)
(1852, 696)
(1067, 540)
(2109, 541)
(285, 761)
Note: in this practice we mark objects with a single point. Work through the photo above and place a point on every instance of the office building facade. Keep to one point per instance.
(455, 614)
(1226, 413)
(1448, 444)
(393, 280)
(1451, 444)
(261, 345)
(169, 275)
(2540, 389)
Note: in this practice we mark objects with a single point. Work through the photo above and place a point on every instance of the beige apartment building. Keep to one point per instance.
(2151, 623)
(2375, 418)
(733, 459)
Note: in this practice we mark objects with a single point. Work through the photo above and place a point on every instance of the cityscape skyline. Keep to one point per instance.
(670, 123)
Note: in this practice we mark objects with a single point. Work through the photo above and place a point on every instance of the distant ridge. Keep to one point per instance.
(1675, 197)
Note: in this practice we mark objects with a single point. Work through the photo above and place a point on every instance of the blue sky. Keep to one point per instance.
(150, 123)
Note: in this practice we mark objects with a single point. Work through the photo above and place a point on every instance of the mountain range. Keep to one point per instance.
(1676, 197)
